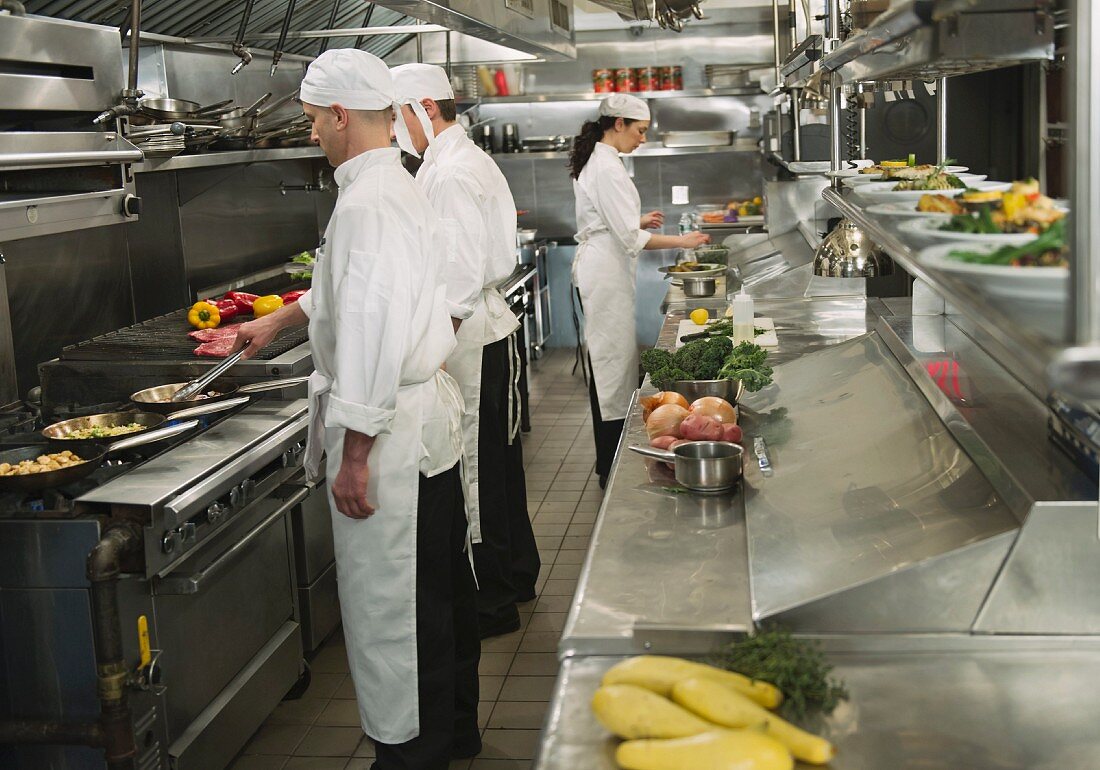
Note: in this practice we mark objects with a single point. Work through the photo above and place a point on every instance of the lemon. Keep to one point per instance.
(700, 316)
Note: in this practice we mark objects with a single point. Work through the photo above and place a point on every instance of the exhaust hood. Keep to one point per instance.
(543, 28)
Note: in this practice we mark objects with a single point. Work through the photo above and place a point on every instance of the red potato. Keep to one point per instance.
(698, 427)
(663, 442)
(732, 433)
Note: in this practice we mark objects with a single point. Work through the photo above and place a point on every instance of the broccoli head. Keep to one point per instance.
(654, 360)
(703, 358)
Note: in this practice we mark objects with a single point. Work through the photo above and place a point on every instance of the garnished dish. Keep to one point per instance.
(103, 431)
(1023, 209)
(888, 165)
(41, 464)
(938, 178)
(1048, 250)
(691, 267)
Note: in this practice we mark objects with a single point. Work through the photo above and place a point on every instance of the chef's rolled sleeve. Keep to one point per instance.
(459, 204)
(305, 302)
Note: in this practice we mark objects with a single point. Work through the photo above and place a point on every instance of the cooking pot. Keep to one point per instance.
(697, 288)
(702, 466)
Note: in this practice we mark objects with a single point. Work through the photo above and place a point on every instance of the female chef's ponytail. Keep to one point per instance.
(585, 142)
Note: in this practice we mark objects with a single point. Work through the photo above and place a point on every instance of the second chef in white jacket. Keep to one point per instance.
(610, 232)
(389, 421)
(471, 195)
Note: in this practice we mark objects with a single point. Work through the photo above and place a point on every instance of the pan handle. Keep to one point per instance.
(259, 387)
(656, 454)
(149, 436)
(214, 406)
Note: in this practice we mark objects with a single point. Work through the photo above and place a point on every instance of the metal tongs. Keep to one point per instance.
(191, 389)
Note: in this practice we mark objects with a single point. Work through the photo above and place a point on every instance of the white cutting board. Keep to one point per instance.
(769, 339)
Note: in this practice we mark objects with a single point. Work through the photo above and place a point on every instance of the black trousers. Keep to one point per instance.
(448, 647)
(507, 558)
(605, 432)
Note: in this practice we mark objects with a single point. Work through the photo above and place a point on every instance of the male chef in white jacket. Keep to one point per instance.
(471, 195)
(389, 420)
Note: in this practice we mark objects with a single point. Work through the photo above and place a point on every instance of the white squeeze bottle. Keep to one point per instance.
(742, 318)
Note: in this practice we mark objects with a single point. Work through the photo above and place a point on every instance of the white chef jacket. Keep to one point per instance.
(607, 202)
(379, 331)
(471, 196)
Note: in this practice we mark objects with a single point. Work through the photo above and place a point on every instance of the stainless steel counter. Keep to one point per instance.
(209, 159)
(936, 702)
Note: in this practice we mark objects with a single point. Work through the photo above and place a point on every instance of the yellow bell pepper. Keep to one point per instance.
(203, 315)
(265, 305)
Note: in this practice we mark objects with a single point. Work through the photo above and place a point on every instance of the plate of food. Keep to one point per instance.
(892, 169)
(886, 192)
(907, 209)
(1036, 271)
(857, 181)
(731, 213)
(1012, 217)
(696, 269)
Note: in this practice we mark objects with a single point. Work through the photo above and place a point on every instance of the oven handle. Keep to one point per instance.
(193, 584)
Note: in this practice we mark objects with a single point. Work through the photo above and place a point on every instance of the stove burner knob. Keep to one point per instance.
(215, 513)
(235, 497)
(187, 532)
(248, 488)
(170, 542)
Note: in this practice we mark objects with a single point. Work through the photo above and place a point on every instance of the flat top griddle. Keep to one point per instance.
(164, 338)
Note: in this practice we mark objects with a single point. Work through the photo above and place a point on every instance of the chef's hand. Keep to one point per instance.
(652, 220)
(349, 490)
(254, 336)
(693, 239)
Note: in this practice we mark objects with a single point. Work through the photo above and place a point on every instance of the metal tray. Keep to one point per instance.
(697, 138)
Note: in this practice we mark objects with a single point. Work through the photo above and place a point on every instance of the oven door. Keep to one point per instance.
(227, 626)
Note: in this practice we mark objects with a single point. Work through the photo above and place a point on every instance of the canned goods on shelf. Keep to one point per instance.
(647, 79)
(664, 74)
(603, 81)
(625, 80)
(677, 78)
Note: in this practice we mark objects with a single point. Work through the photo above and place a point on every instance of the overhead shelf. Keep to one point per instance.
(594, 97)
(927, 39)
(739, 146)
(208, 159)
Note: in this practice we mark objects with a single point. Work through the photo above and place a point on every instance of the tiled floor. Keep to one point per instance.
(321, 730)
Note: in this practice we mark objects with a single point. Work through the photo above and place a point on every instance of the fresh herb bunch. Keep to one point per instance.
(724, 328)
(746, 363)
(795, 666)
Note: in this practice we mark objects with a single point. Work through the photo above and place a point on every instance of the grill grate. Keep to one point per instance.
(163, 338)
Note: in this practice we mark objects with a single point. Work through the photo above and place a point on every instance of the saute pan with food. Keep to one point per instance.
(111, 427)
(159, 399)
(31, 468)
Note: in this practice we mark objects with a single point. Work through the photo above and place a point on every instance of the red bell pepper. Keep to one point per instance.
(293, 296)
(242, 300)
(227, 308)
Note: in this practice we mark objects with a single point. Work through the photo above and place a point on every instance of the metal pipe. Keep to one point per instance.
(941, 120)
(419, 49)
(278, 55)
(57, 733)
(862, 121)
(832, 28)
(836, 95)
(330, 25)
(104, 568)
(366, 24)
(775, 41)
(1084, 172)
(13, 7)
(796, 123)
(404, 29)
(135, 46)
(238, 42)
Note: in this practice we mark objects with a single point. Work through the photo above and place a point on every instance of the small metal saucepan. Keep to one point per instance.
(59, 432)
(697, 288)
(158, 399)
(93, 453)
(702, 466)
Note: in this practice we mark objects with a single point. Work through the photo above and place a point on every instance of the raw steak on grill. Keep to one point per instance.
(209, 335)
(217, 348)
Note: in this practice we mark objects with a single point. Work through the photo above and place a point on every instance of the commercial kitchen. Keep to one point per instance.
(902, 188)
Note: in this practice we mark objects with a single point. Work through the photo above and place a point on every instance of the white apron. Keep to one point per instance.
(604, 276)
(464, 364)
(376, 557)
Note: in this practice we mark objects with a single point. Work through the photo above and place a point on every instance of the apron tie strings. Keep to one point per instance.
(579, 359)
(514, 370)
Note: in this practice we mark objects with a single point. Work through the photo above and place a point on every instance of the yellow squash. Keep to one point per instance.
(634, 712)
(659, 674)
(724, 706)
(719, 750)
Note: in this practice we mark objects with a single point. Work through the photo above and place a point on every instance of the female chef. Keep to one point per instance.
(611, 232)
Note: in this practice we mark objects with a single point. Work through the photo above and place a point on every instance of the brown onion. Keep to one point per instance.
(665, 421)
(718, 408)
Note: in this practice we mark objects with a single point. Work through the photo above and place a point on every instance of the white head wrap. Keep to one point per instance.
(413, 82)
(624, 106)
(355, 79)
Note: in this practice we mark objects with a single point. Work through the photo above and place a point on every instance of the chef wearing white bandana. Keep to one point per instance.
(471, 195)
(389, 421)
(611, 231)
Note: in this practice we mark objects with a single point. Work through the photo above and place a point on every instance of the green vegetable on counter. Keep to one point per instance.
(795, 666)
(1049, 243)
(746, 363)
(697, 360)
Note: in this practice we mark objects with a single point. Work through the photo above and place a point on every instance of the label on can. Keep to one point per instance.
(647, 79)
(624, 80)
(664, 74)
(677, 78)
(603, 81)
